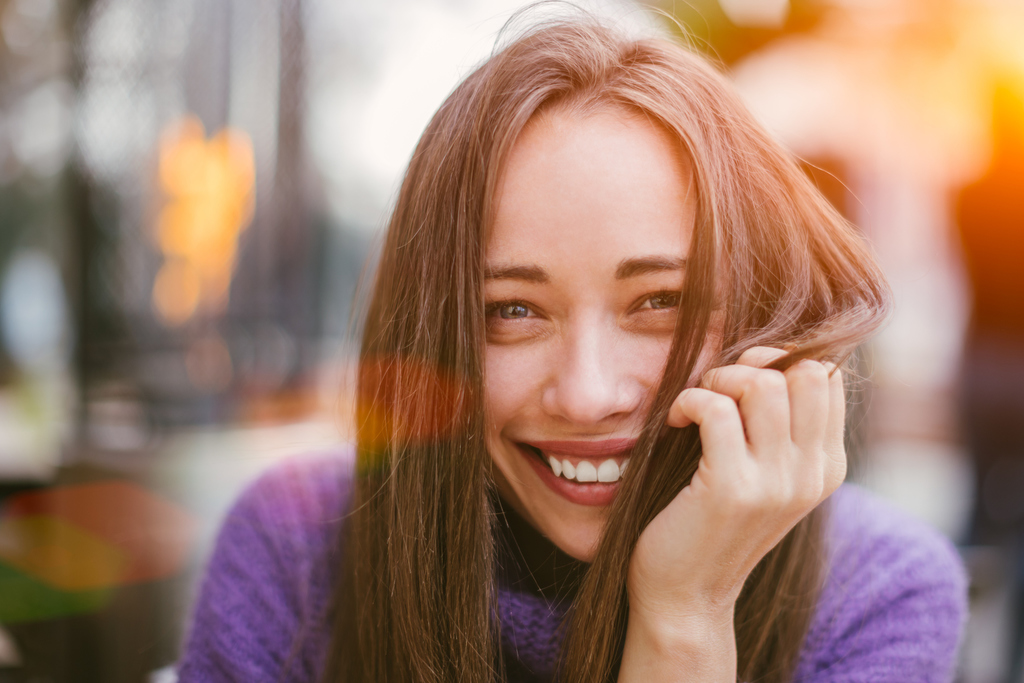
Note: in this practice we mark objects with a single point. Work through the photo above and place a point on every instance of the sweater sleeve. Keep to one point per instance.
(261, 611)
(895, 600)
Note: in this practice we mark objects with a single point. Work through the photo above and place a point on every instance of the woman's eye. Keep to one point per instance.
(512, 311)
(664, 300)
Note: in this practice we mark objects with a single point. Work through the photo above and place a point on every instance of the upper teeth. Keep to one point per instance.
(584, 471)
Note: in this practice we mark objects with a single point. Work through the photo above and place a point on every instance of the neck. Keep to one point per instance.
(529, 562)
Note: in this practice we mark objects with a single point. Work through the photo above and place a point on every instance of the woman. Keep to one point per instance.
(599, 411)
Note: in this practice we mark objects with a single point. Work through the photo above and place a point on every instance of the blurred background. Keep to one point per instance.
(189, 190)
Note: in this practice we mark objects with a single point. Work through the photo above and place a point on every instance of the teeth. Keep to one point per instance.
(556, 466)
(568, 470)
(608, 471)
(586, 472)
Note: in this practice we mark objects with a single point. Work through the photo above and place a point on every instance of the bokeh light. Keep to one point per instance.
(209, 188)
(127, 533)
(63, 549)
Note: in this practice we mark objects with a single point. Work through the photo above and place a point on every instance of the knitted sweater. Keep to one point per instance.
(892, 609)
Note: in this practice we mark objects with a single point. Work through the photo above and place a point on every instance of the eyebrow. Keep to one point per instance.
(642, 265)
(627, 268)
(525, 273)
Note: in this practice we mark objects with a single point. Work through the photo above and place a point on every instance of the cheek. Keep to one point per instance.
(647, 358)
(511, 381)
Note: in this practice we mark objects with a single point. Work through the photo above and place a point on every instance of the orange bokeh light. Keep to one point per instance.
(209, 186)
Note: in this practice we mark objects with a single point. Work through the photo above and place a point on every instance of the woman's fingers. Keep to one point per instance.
(810, 404)
(718, 417)
(759, 357)
(798, 414)
(813, 413)
(762, 397)
(835, 449)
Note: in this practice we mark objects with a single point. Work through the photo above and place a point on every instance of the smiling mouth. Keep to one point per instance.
(581, 470)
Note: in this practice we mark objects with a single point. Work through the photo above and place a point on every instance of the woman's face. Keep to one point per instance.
(585, 262)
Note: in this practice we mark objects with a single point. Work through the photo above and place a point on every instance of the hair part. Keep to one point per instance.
(770, 259)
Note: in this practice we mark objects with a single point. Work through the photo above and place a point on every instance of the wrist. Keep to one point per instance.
(687, 646)
(684, 628)
(682, 611)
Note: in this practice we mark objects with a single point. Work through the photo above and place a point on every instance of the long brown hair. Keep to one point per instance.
(416, 598)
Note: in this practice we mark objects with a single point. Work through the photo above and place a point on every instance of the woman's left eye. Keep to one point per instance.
(662, 300)
(511, 310)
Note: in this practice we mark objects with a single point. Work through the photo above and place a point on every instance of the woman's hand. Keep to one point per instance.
(772, 451)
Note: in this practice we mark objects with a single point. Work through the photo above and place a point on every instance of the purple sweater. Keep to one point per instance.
(892, 609)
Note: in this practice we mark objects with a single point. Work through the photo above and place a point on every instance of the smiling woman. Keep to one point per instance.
(601, 418)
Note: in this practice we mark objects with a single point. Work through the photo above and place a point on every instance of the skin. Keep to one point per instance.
(575, 352)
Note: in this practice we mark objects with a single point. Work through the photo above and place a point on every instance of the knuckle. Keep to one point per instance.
(751, 352)
(710, 378)
(770, 382)
(840, 472)
(755, 495)
(779, 496)
(682, 399)
(834, 475)
(746, 499)
(740, 488)
(720, 408)
(792, 488)
(809, 372)
(809, 493)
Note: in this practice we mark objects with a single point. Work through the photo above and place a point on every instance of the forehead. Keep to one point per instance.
(601, 186)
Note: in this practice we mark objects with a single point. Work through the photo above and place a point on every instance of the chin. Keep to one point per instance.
(577, 538)
(582, 549)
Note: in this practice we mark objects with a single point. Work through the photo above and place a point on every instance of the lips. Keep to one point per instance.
(586, 449)
(584, 472)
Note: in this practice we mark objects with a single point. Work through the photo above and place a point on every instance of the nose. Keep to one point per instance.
(590, 381)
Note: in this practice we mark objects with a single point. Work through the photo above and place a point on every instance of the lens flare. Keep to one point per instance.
(403, 401)
(63, 549)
